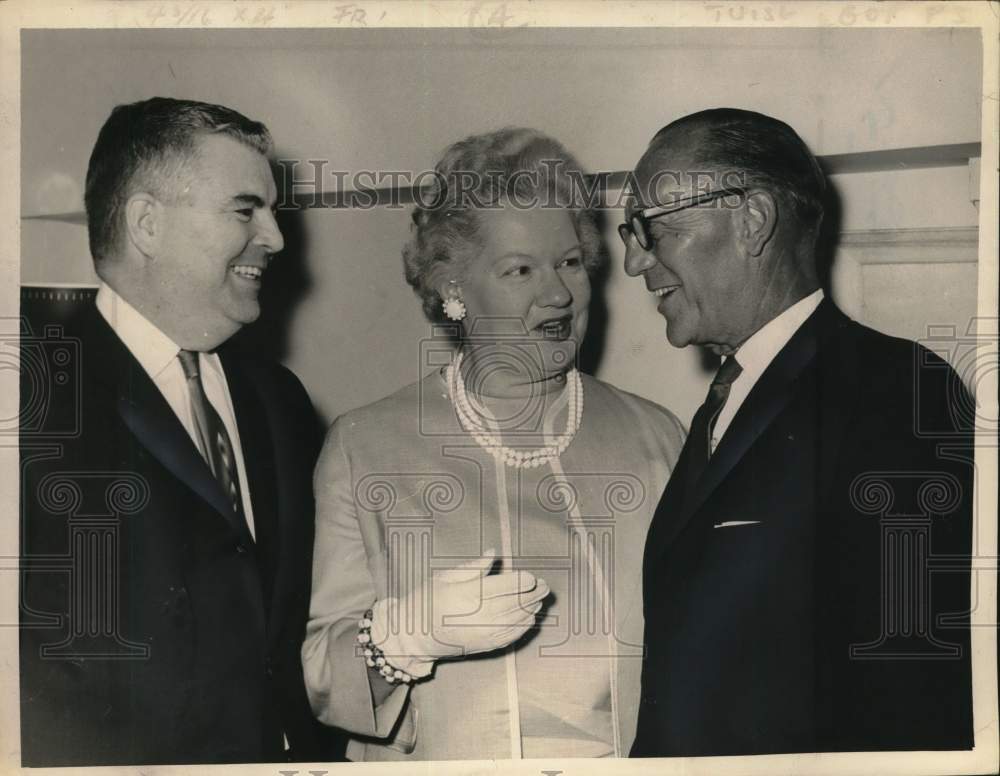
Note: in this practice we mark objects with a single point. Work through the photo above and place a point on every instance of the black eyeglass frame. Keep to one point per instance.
(637, 224)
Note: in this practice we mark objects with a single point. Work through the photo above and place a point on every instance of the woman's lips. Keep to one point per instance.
(556, 328)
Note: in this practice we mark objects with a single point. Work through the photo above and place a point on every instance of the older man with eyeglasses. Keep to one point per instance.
(788, 596)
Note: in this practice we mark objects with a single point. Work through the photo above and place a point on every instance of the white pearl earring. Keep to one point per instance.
(454, 308)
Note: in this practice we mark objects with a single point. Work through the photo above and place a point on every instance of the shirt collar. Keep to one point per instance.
(153, 349)
(759, 350)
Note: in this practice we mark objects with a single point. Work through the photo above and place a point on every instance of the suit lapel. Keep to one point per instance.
(146, 413)
(771, 394)
(664, 527)
(159, 431)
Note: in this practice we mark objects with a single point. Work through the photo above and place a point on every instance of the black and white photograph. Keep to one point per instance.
(499, 385)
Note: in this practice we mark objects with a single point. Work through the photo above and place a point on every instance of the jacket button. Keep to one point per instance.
(268, 669)
(241, 549)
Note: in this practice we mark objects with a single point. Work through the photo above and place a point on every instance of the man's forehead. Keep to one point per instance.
(669, 169)
(664, 185)
(230, 166)
(223, 151)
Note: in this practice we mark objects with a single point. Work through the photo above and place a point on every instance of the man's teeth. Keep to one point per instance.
(253, 273)
(664, 291)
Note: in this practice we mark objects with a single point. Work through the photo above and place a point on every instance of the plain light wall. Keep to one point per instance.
(341, 315)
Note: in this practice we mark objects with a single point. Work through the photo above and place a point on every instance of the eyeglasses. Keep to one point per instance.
(637, 223)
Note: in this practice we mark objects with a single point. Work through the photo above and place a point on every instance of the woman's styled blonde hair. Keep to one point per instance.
(513, 166)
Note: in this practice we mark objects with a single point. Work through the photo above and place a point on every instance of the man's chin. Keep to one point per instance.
(249, 317)
(676, 337)
(227, 326)
(245, 313)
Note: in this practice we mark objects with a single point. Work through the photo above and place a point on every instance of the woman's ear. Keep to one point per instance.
(144, 222)
(449, 289)
(759, 221)
(453, 307)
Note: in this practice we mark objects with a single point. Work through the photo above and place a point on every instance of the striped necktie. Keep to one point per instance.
(214, 442)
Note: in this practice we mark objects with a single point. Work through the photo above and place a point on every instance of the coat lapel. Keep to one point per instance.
(146, 413)
(772, 393)
(664, 527)
(159, 431)
(769, 396)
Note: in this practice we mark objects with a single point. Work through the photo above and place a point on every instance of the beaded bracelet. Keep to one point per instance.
(374, 656)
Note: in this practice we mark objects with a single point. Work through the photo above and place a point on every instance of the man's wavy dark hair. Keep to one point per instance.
(146, 146)
(761, 151)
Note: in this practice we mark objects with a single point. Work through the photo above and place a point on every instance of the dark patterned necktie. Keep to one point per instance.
(700, 438)
(215, 445)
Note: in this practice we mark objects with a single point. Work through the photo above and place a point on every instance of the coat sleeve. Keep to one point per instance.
(344, 586)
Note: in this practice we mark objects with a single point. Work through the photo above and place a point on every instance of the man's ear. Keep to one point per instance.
(759, 221)
(144, 222)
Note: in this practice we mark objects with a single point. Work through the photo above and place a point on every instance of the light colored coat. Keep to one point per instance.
(401, 489)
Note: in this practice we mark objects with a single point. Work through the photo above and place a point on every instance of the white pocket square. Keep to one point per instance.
(734, 523)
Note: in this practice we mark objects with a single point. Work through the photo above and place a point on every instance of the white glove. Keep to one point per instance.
(466, 610)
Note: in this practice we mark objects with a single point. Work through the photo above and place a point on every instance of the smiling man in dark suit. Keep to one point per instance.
(806, 575)
(167, 540)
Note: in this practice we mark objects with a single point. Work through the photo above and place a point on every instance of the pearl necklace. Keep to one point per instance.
(471, 422)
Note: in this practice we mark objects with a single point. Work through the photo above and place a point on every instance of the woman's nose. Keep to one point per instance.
(554, 292)
(637, 259)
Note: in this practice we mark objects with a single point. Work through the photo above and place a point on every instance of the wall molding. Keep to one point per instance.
(859, 251)
(891, 159)
(949, 245)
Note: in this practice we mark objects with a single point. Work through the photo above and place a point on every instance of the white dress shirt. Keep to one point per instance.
(756, 354)
(157, 354)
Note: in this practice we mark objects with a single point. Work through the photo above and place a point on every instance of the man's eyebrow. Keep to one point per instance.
(248, 199)
(680, 218)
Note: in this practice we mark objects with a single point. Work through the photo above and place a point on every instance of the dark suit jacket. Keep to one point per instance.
(838, 622)
(154, 629)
